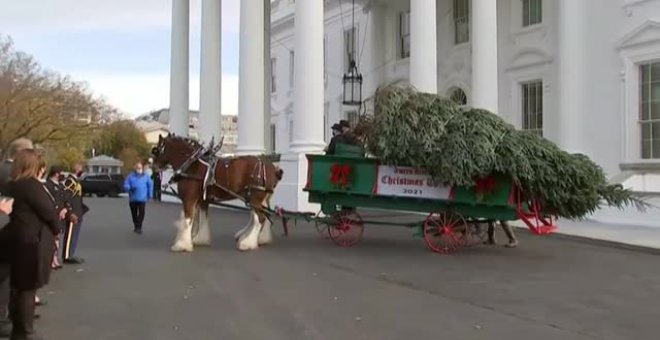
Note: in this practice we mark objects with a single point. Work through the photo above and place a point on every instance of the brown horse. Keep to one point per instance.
(247, 178)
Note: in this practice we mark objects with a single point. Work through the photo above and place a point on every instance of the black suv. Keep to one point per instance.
(102, 184)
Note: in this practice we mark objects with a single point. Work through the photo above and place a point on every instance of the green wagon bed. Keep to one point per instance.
(348, 180)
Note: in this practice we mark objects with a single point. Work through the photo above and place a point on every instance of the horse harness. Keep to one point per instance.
(208, 158)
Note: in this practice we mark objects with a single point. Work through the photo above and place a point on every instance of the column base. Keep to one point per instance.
(289, 194)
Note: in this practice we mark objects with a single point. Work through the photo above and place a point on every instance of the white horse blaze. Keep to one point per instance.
(183, 241)
(203, 236)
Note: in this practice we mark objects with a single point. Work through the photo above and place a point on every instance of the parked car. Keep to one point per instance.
(102, 185)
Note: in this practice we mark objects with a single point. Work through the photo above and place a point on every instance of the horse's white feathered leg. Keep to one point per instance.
(203, 236)
(249, 240)
(266, 236)
(183, 241)
(243, 230)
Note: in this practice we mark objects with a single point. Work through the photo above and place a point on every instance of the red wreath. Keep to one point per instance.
(339, 174)
(484, 186)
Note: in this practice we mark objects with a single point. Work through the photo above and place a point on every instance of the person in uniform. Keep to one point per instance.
(5, 177)
(73, 195)
(56, 189)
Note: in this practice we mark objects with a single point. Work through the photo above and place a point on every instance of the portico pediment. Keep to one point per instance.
(528, 57)
(647, 33)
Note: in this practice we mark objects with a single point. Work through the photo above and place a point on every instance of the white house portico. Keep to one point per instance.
(587, 80)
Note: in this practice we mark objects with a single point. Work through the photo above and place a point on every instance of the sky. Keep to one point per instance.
(120, 48)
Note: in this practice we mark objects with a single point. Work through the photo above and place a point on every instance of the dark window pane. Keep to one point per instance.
(655, 131)
(655, 91)
(655, 72)
(646, 131)
(655, 148)
(644, 113)
(646, 149)
(644, 92)
(655, 109)
(644, 73)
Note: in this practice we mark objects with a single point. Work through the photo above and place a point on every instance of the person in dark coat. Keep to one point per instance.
(157, 179)
(341, 134)
(5, 172)
(63, 206)
(33, 225)
(74, 195)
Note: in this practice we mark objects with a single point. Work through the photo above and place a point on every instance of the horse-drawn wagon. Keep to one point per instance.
(340, 183)
(348, 180)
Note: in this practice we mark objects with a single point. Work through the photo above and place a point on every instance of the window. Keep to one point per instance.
(458, 96)
(350, 46)
(532, 12)
(532, 107)
(292, 56)
(326, 108)
(325, 53)
(273, 137)
(649, 109)
(404, 35)
(461, 21)
(352, 117)
(273, 71)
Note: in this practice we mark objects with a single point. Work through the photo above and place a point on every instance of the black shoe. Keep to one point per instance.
(137, 231)
(74, 260)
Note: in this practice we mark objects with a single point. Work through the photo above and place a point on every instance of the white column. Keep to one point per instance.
(307, 107)
(251, 79)
(179, 68)
(308, 81)
(210, 73)
(483, 35)
(572, 66)
(423, 46)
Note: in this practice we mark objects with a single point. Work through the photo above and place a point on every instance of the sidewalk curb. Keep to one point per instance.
(600, 242)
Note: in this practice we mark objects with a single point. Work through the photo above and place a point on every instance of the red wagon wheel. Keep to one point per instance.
(445, 232)
(346, 229)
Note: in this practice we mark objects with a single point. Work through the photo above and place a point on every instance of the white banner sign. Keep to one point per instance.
(408, 182)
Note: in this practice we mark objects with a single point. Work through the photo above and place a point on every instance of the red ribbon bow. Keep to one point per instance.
(339, 174)
(485, 185)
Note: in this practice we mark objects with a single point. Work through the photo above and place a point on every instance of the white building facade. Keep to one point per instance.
(583, 73)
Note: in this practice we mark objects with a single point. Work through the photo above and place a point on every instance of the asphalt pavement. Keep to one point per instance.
(304, 287)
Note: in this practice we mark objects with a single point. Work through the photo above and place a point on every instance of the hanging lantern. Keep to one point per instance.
(353, 86)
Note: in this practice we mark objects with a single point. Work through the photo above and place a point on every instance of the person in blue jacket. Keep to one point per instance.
(140, 190)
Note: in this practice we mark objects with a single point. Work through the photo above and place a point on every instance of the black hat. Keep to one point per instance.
(55, 170)
(336, 127)
(344, 123)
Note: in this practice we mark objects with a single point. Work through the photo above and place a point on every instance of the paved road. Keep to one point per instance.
(303, 287)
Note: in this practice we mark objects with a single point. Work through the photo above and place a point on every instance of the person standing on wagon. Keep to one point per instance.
(140, 190)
